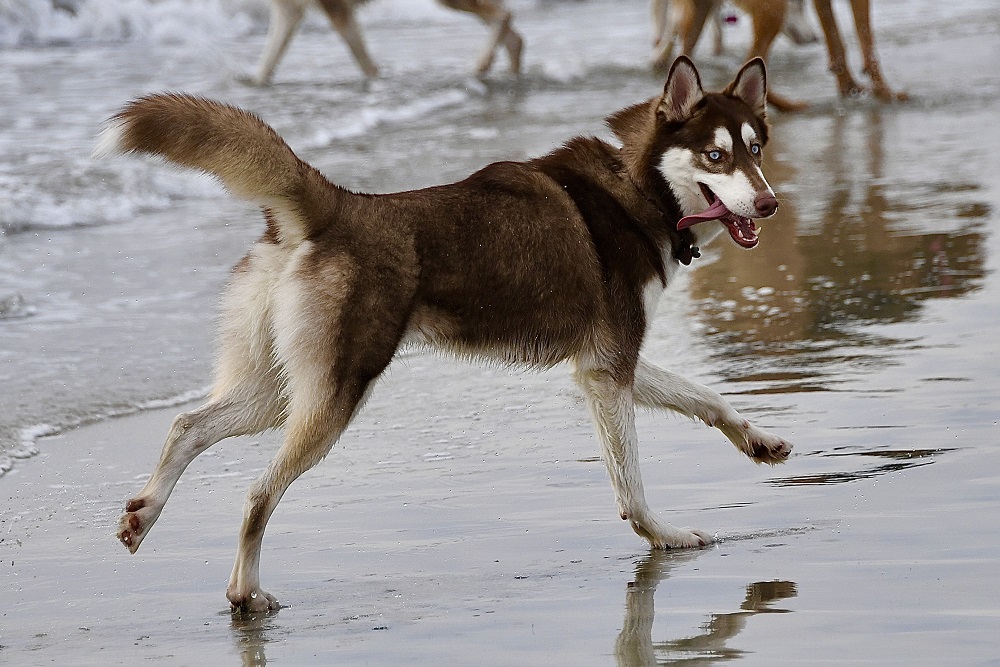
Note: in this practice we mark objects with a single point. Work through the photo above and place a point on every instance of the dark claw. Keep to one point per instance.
(135, 504)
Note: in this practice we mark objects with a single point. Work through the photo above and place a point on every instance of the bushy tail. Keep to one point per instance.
(235, 146)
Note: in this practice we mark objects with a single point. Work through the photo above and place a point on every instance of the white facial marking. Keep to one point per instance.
(677, 166)
(763, 180)
(749, 136)
(735, 190)
(723, 139)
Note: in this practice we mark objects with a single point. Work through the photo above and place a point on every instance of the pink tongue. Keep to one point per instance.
(713, 212)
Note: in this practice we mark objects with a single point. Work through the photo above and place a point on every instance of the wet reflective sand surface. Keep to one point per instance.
(466, 518)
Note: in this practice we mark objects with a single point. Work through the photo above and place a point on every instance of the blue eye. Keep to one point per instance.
(755, 149)
(715, 156)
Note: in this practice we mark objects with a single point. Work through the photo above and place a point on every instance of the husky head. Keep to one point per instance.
(706, 148)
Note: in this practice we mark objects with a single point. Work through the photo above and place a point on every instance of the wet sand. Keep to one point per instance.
(480, 529)
(466, 519)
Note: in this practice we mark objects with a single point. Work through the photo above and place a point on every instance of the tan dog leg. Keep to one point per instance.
(862, 22)
(494, 14)
(768, 17)
(285, 18)
(341, 14)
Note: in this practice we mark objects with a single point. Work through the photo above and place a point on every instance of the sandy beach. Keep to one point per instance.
(466, 518)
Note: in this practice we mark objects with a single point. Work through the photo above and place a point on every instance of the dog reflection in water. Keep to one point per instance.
(635, 646)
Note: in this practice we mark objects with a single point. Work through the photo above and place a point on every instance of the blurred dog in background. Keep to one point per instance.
(682, 22)
(286, 15)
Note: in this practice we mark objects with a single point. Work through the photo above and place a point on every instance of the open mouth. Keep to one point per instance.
(743, 230)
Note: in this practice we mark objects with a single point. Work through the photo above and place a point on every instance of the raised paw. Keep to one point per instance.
(764, 447)
(136, 522)
(758, 444)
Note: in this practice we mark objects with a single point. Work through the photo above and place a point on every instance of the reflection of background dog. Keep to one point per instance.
(287, 14)
(682, 21)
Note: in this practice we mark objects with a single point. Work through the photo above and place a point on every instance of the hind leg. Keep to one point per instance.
(285, 18)
(246, 398)
(250, 407)
(336, 326)
(341, 15)
(313, 427)
(613, 411)
(494, 14)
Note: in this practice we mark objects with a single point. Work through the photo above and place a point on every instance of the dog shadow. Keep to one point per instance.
(635, 646)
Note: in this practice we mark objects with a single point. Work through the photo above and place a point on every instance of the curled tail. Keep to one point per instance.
(233, 145)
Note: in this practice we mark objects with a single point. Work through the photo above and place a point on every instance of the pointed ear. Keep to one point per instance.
(750, 86)
(682, 92)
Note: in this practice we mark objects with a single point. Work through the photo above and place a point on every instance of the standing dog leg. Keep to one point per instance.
(659, 388)
(613, 412)
(313, 427)
(691, 32)
(341, 15)
(334, 334)
(835, 47)
(768, 17)
(862, 23)
(493, 13)
(285, 18)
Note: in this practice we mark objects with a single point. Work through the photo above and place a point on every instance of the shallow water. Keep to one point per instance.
(862, 328)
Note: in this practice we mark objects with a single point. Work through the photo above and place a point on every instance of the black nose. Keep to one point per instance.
(765, 204)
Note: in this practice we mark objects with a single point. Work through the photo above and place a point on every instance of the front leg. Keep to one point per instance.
(611, 406)
(285, 18)
(341, 15)
(659, 388)
(862, 23)
(846, 84)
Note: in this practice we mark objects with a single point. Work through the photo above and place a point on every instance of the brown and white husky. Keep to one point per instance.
(557, 259)
(287, 14)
